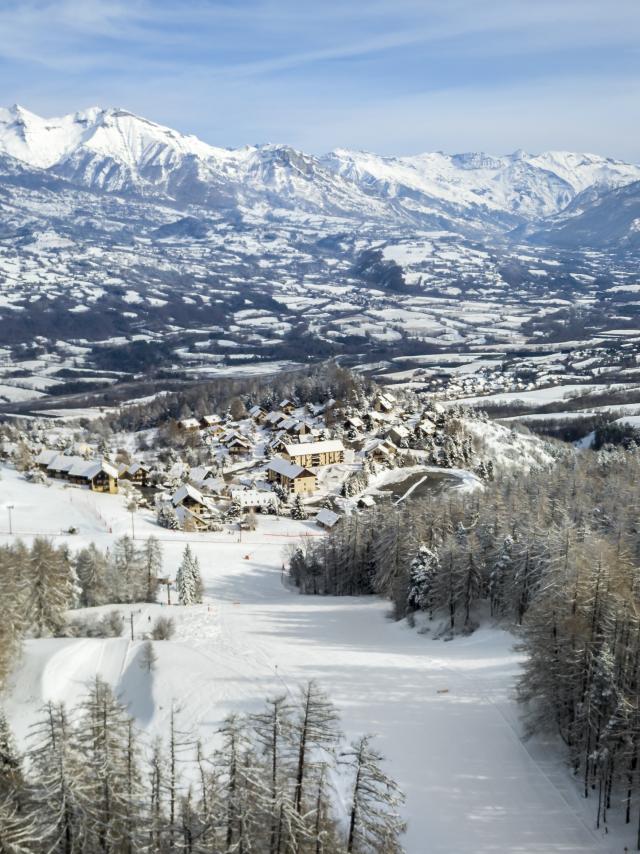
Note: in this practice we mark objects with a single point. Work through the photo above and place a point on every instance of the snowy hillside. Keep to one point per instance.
(444, 713)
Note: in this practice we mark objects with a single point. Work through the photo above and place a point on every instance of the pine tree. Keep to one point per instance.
(188, 579)
(153, 564)
(314, 730)
(374, 822)
(110, 775)
(423, 571)
(298, 511)
(60, 793)
(93, 577)
(52, 587)
(10, 761)
(273, 732)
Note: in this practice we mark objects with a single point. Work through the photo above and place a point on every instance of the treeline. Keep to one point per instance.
(318, 385)
(555, 553)
(89, 784)
(41, 583)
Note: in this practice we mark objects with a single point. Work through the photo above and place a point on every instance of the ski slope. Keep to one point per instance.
(443, 712)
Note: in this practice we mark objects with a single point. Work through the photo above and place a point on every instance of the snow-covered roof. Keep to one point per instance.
(237, 440)
(285, 468)
(189, 422)
(386, 401)
(386, 446)
(61, 462)
(256, 410)
(252, 497)
(327, 517)
(211, 419)
(400, 430)
(367, 501)
(199, 473)
(90, 468)
(135, 467)
(326, 446)
(45, 457)
(187, 490)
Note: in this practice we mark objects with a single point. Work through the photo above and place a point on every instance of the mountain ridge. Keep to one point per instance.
(114, 150)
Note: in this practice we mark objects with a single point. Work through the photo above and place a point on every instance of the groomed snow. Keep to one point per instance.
(444, 712)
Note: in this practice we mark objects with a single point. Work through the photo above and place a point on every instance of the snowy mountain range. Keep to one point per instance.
(112, 150)
(128, 248)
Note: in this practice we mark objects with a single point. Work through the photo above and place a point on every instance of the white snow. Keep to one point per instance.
(444, 713)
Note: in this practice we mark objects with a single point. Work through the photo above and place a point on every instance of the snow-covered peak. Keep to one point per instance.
(111, 132)
(115, 150)
(44, 142)
(518, 183)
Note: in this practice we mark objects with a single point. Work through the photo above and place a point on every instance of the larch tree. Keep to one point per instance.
(374, 821)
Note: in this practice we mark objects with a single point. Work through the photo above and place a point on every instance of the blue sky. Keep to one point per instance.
(393, 76)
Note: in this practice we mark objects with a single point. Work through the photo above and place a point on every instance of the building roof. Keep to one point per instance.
(89, 469)
(211, 419)
(355, 420)
(386, 400)
(287, 469)
(237, 440)
(45, 457)
(327, 517)
(135, 467)
(61, 462)
(400, 430)
(199, 473)
(367, 500)
(189, 422)
(188, 490)
(325, 446)
(252, 497)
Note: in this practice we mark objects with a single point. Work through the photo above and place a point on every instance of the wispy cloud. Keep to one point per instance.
(371, 70)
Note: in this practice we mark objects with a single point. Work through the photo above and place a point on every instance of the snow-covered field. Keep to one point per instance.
(444, 712)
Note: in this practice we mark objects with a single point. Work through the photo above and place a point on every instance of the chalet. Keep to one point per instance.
(399, 434)
(188, 519)
(327, 519)
(252, 499)
(274, 418)
(210, 421)
(189, 425)
(191, 498)
(313, 454)
(384, 403)
(258, 414)
(294, 479)
(380, 449)
(354, 422)
(365, 502)
(200, 473)
(287, 406)
(426, 427)
(61, 464)
(296, 426)
(135, 472)
(236, 444)
(279, 442)
(98, 475)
